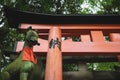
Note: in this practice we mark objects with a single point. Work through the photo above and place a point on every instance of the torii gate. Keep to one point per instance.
(91, 29)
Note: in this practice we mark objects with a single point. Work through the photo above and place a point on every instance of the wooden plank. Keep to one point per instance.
(97, 36)
(85, 38)
(73, 28)
(45, 35)
(79, 48)
(88, 48)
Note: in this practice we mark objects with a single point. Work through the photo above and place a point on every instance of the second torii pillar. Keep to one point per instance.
(54, 55)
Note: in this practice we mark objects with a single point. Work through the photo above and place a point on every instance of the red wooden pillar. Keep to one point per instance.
(54, 56)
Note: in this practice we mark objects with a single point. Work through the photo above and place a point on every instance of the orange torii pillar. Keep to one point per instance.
(54, 55)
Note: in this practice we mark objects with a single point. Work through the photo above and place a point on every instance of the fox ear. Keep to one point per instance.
(29, 28)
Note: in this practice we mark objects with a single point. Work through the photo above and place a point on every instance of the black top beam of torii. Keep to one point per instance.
(15, 17)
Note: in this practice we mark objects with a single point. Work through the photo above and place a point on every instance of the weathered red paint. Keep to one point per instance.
(54, 56)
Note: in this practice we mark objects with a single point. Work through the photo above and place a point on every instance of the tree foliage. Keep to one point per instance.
(110, 7)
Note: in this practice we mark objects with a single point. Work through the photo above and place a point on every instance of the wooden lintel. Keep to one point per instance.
(77, 48)
(73, 28)
(90, 48)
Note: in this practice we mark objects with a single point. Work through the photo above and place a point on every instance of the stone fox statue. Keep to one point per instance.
(26, 60)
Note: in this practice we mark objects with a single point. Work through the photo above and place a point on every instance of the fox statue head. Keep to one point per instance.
(31, 37)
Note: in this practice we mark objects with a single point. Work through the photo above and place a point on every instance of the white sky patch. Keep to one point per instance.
(85, 5)
(1, 25)
(93, 9)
